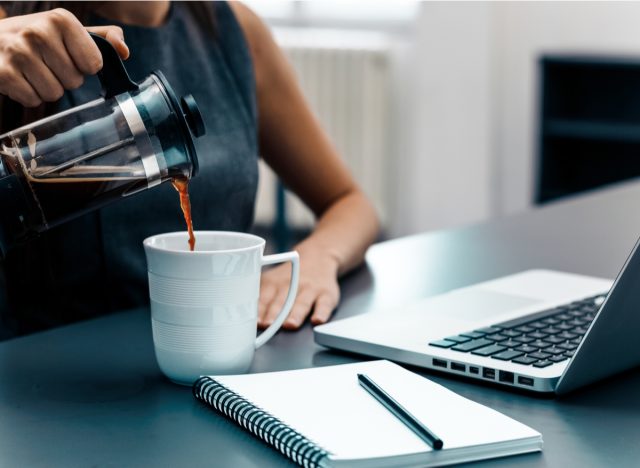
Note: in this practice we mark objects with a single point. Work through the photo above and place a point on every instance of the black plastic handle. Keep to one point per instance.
(113, 76)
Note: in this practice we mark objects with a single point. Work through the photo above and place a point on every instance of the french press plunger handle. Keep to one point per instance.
(113, 76)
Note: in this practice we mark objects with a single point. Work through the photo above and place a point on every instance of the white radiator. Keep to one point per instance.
(346, 79)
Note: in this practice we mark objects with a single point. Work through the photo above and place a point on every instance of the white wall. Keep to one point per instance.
(475, 131)
(444, 138)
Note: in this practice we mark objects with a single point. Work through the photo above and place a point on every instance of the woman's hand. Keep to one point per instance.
(45, 53)
(318, 291)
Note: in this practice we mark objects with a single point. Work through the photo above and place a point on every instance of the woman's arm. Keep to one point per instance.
(295, 146)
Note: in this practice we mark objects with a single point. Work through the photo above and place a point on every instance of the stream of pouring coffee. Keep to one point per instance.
(181, 184)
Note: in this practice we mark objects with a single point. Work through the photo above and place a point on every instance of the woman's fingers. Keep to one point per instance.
(115, 36)
(55, 56)
(21, 91)
(83, 51)
(301, 308)
(309, 299)
(324, 307)
(276, 305)
(43, 81)
(267, 292)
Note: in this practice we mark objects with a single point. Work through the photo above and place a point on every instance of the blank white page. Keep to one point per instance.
(328, 406)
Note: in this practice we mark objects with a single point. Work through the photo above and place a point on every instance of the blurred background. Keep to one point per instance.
(449, 113)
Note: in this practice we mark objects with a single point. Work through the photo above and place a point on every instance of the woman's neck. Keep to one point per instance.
(148, 14)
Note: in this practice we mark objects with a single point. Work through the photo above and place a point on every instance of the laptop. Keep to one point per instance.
(539, 330)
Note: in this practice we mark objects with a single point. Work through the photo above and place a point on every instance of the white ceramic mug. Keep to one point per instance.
(204, 304)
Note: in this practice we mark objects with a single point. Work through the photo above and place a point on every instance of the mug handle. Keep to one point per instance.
(291, 295)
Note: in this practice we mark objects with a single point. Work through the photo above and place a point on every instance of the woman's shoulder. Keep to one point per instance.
(262, 47)
(251, 24)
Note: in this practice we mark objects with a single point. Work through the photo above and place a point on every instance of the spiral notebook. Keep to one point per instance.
(322, 417)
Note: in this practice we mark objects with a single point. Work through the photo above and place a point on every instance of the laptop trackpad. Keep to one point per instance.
(476, 304)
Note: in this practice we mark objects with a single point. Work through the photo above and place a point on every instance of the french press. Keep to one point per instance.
(136, 136)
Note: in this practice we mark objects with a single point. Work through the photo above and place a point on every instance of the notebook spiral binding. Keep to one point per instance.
(260, 423)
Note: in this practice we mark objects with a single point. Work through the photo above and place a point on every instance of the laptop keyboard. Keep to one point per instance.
(540, 339)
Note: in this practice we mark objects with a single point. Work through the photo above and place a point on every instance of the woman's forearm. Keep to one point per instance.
(344, 231)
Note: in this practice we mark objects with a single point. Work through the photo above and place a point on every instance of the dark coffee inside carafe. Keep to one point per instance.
(65, 198)
(45, 195)
(181, 184)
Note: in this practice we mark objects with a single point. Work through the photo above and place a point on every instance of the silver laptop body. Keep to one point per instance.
(583, 330)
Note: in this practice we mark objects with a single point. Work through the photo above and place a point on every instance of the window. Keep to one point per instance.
(378, 14)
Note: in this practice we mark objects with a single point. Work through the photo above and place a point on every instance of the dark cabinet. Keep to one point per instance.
(589, 123)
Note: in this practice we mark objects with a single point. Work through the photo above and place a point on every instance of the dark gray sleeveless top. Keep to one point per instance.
(96, 264)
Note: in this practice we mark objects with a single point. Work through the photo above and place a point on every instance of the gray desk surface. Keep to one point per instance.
(91, 394)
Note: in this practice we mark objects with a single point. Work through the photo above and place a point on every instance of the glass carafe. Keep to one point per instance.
(137, 136)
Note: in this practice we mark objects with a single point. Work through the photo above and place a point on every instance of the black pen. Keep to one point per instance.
(400, 412)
